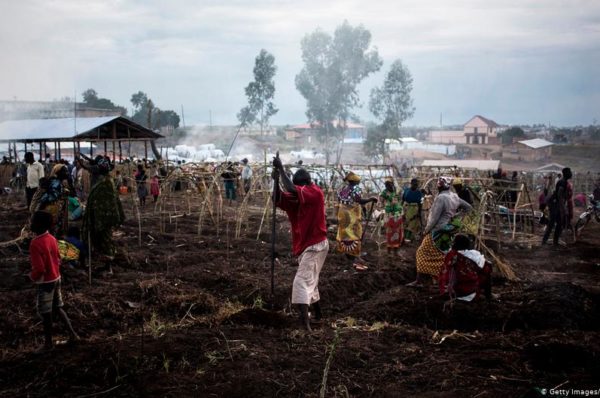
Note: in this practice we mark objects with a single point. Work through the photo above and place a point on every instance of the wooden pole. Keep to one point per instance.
(59, 151)
(9, 153)
(41, 156)
(273, 230)
(89, 257)
(91, 150)
(145, 150)
(114, 137)
(120, 152)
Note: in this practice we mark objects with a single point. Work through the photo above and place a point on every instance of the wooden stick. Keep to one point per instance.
(89, 256)
(273, 229)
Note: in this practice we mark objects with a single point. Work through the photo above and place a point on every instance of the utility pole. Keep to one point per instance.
(75, 112)
(182, 116)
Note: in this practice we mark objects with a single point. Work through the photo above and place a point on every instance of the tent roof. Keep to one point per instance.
(74, 129)
(464, 164)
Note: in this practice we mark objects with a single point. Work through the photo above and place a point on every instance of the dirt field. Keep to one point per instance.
(191, 316)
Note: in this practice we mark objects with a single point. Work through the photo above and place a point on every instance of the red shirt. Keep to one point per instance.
(306, 212)
(45, 260)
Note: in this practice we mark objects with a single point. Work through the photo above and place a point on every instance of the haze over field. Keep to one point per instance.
(513, 61)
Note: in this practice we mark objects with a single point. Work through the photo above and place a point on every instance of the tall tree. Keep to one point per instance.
(392, 104)
(260, 93)
(139, 99)
(151, 116)
(333, 68)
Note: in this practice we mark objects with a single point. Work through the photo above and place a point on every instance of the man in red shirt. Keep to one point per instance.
(304, 203)
(45, 272)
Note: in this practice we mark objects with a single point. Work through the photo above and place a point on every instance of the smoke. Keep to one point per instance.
(211, 144)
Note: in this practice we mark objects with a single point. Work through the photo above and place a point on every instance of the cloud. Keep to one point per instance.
(467, 56)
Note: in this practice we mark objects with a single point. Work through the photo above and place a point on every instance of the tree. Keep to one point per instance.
(392, 105)
(91, 99)
(89, 96)
(509, 135)
(333, 68)
(260, 93)
(374, 145)
(139, 99)
(149, 115)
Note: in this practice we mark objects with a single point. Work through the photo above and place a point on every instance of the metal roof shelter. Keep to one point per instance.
(536, 143)
(73, 131)
(464, 164)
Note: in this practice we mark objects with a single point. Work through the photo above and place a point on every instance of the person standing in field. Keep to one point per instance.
(442, 225)
(229, 181)
(560, 204)
(155, 187)
(246, 175)
(304, 203)
(142, 189)
(45, 273)
(392, 204)
(35, 172)
(349, 234)
(52, 197)
(104, 210)
(413, 203)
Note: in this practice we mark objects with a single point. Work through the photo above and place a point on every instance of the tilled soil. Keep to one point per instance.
(192, 315)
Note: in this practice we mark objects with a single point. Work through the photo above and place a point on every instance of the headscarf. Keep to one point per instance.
(444, 182)
(103, 164)
(352, 177)
(56, 169)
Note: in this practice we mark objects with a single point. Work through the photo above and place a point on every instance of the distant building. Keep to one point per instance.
(481, 164)
(21, 110)
(255, 131)
(480, 130)
(534, 150)
(447, 137)
(306, 134)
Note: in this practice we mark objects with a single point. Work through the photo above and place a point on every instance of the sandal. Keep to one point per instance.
(360, 267)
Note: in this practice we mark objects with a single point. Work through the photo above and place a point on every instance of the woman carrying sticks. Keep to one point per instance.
(304, 203)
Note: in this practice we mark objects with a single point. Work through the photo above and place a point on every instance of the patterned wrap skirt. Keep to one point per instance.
(413, 221)
(349, 232)
(394, 231)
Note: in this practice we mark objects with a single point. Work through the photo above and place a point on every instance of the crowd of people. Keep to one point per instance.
(445, 254)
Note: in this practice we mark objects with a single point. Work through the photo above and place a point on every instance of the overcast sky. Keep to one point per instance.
(521, 61)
